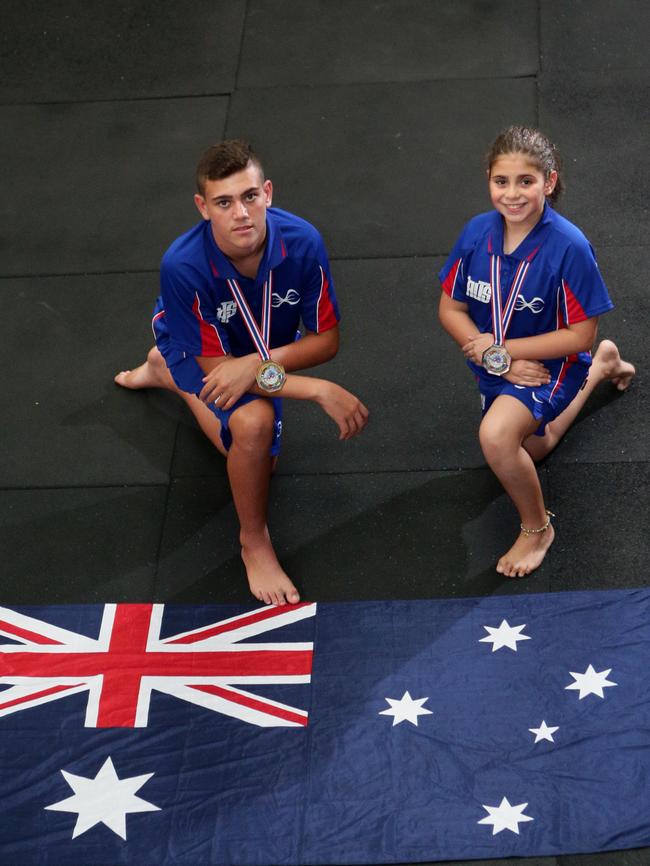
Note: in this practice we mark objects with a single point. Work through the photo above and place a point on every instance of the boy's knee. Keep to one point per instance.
(252, 425)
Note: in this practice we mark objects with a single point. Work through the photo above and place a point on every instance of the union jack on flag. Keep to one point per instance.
(128, 660)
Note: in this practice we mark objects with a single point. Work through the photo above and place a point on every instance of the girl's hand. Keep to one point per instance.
(529, 373)
(475, 346)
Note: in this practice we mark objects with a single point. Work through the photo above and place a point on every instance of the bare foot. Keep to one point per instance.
(266, 578)
(152, 374)
(526, 554)
(610, 365)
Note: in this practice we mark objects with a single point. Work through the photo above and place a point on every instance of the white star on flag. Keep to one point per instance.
(505, 817)
(105, 799)
(505, 635)
(405, 709)
(591, 682)
(544, 732)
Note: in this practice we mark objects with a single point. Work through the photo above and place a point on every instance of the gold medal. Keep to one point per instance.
(270, 376)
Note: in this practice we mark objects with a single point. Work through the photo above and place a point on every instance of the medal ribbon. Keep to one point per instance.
(501, 317)
(259, 337)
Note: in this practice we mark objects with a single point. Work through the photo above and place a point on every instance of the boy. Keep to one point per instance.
(234, 290)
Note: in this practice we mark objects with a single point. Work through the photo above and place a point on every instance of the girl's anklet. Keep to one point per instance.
(526, 531)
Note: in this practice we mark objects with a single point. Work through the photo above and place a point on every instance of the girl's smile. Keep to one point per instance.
(518, 190)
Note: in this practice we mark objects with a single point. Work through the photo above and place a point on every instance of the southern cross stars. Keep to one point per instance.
(405, 709)
(591, 682)
(105, 799)
(505, 635)
(544, 732)
(505, 817)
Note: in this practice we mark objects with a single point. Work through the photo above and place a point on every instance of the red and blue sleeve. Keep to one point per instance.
(190, 314)
(453, 274)
(319, 309)
(582, 291)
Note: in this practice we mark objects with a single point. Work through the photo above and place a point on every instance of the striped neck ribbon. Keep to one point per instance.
(502, 314)
(259, 336)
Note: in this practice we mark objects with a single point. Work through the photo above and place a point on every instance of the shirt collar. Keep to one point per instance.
(530, 244)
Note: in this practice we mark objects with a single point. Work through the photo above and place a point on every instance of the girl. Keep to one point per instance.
(521, 296)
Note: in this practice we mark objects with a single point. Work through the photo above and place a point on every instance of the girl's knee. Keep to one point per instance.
(492, 435)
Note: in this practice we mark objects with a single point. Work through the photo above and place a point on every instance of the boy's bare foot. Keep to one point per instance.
(610, 365)
(526, 554)
(266, 578)
(152, 374)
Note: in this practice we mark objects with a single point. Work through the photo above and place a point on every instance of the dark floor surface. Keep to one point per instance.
(372, 119)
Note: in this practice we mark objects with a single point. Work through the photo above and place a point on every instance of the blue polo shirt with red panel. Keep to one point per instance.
(201, 316)
(562, 283)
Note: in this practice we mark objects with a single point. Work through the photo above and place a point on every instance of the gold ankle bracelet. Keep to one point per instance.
(526, 531)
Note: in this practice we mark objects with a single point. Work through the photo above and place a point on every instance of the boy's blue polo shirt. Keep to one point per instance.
(200, 315)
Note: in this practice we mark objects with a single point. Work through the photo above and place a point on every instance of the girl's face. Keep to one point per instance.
(518, 190)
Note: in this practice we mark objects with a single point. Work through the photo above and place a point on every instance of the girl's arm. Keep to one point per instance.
(455, 319)
(575, 338)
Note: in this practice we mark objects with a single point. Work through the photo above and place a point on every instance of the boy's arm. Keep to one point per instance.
(346, 410)
(233, 377)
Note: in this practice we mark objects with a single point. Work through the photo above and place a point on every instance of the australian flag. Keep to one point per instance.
(363, 732)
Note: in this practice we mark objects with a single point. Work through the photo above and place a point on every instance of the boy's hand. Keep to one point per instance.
(231, 378)
(346, 410)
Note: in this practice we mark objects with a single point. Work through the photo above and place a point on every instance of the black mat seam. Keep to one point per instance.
(30, 487)
(388, 81)
(410, 471)
(367, 258)
(116, 100)
(48, 274)
(538, 21)
(540, 50)
(240, 53)
(163, 522)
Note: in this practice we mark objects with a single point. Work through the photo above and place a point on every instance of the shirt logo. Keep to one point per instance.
(479, 289)
(536, 305)
(226, 310)
(292, 297)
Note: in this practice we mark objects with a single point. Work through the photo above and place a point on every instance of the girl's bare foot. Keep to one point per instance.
(610, 365)
(152, 374)
(266, 578)
(526, 554)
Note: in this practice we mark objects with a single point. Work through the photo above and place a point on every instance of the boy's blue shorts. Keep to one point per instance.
(544, 403)
(188, 376)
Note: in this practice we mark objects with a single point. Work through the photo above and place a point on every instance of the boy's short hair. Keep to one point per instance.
(223, 159)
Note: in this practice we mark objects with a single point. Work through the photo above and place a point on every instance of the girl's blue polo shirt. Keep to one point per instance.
(562, 286)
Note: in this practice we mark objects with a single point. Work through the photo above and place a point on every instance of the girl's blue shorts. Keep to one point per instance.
(544, 403)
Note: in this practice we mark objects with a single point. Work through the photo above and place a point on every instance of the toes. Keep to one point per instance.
(293, 597)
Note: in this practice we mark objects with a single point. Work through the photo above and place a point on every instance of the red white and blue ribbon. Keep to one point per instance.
(260, 337)
(501, 315)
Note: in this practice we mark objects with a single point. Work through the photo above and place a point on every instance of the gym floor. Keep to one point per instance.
(372, 120)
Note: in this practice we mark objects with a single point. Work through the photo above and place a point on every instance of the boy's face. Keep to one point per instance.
(236, 208)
